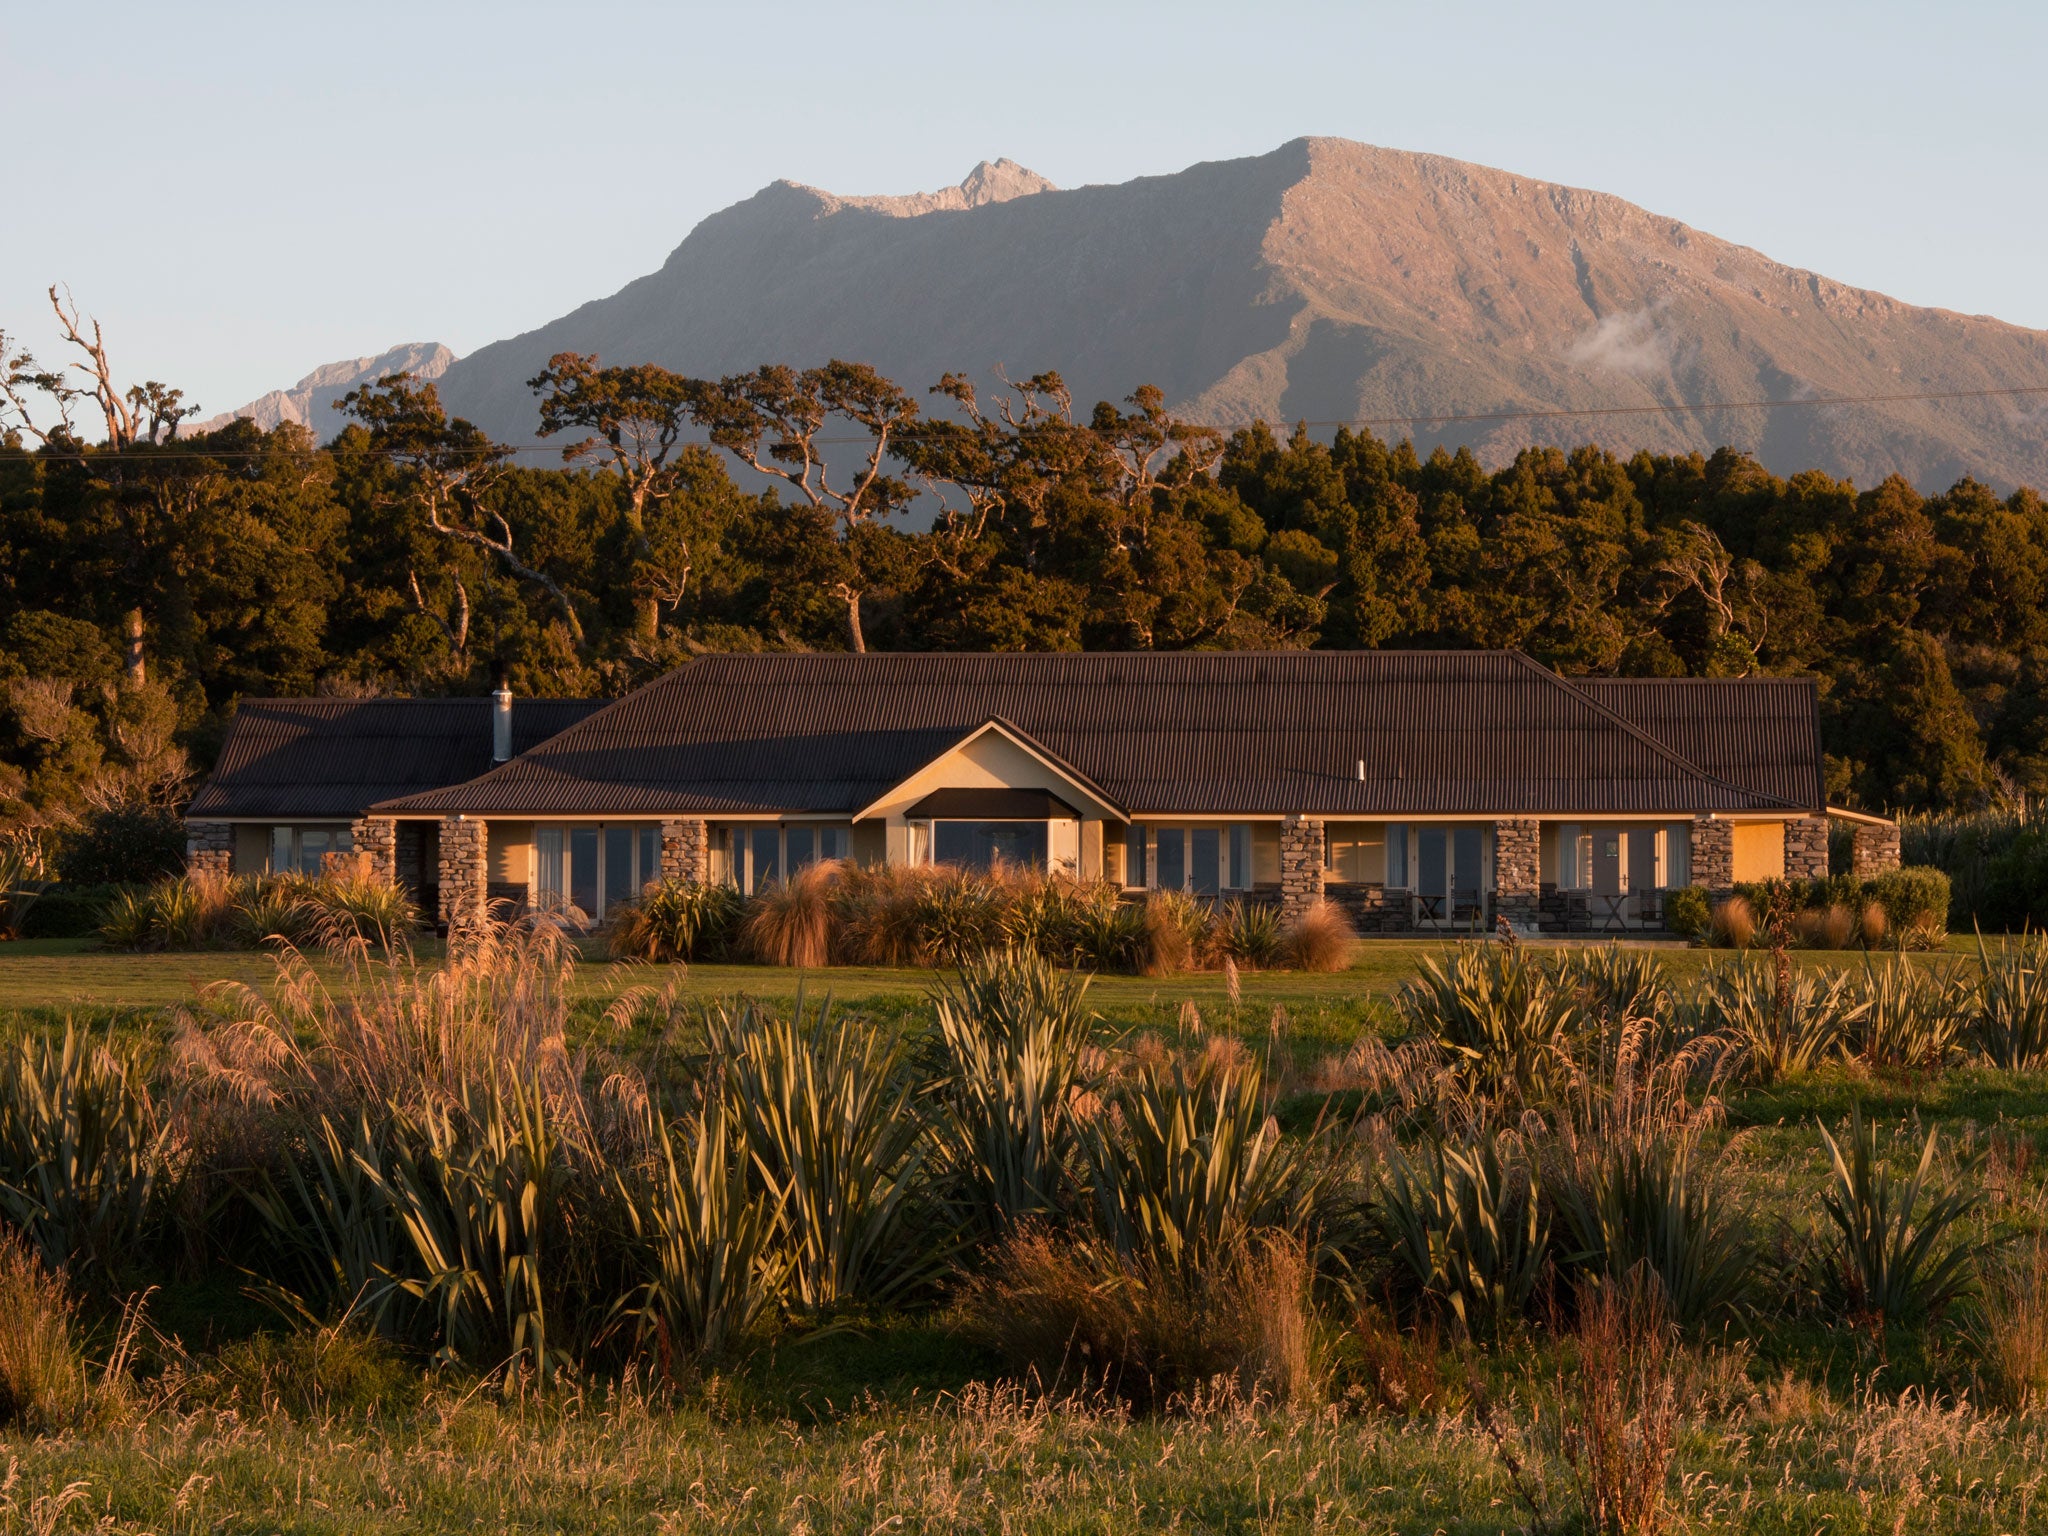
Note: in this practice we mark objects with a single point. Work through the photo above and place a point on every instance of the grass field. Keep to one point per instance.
(894, 1422)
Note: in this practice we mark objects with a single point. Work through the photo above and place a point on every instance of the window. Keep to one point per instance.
(1134, 855)
(1169, 859)
(1356, 852)
(760, 855)
(1397, 856)
(303, 850)
(1207, 858)
(583, 871)
(983, 844)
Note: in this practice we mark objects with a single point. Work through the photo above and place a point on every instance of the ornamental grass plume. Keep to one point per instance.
(1321, 939)
(792, 922)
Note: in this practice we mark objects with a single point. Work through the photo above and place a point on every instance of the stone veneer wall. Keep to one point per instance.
(685, 850)
(1301, 865)
(464, 871)
(1713, 853)
(1806, 848)
(376, 845)
(209, 847)
(1517, 868)
(1873, 850)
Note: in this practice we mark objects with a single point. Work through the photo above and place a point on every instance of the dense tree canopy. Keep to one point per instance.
(150, 580)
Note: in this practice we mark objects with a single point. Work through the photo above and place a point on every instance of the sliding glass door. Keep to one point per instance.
(585, 870)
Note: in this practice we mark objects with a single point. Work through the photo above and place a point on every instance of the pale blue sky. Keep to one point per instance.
(241, 192)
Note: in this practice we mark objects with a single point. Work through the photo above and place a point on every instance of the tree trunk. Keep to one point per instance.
(133, 664)
(647, 619)
(860, 644)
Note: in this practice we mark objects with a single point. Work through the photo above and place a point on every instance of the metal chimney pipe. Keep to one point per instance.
(501, 723)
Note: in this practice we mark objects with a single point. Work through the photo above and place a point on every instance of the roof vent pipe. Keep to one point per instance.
(1361, 770)
(501, 723)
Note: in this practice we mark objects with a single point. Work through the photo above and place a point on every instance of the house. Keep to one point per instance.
(1420, 790)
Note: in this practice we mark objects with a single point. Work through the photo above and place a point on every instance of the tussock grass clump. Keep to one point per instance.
(790, 923)
(1249, 934)
(2012, 1330)
(1078, 1315)
(44, 1384)
(1320, 939)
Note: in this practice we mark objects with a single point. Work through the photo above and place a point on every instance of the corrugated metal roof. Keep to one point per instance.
(1440, 733)
(334, 758)
(1760, 732)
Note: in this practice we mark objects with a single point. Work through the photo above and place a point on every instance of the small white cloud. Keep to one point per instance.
(1632, 342)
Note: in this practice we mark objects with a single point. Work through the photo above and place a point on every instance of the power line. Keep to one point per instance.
(1413, 419)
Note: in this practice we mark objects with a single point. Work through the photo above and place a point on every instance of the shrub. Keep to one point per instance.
(1080, 1314)
(68, 912)
(955, 915)
(1616, 983)
(343, 907)
(1891, 1260)
(791, 923)
(1733, 923)
(1320, 939)
(829, 1114)
(2009, 1019)
(21, 886)
(1685, 912)
(477, 1187)
(122, 845)
(1467, 1227)
(1915, 903)
(349, 906)
(677, 920)
(1013, 1030)
(1501, 1013)
(1996, 861)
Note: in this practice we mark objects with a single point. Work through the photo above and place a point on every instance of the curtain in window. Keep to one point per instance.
(547, 852)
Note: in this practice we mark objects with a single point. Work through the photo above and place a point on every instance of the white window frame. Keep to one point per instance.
(1233, 847)
(291, 839)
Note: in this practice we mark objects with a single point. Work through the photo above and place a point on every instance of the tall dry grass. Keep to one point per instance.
(1320, 939)
(1618, 1407)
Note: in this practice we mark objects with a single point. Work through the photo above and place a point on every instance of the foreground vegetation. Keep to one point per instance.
(1558, 1243)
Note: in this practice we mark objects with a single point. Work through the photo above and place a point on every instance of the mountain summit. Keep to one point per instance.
(1327, 281)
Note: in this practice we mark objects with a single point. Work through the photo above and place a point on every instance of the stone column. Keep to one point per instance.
(1873, 849)
(376, 846)
(1713, 853)
(465, 869)
(210, 848)
(1806, 848)
(1517, 869)
(1301, 865)
(686, 850)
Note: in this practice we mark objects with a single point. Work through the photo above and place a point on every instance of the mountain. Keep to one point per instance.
(1325, 281)
(310, 402)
